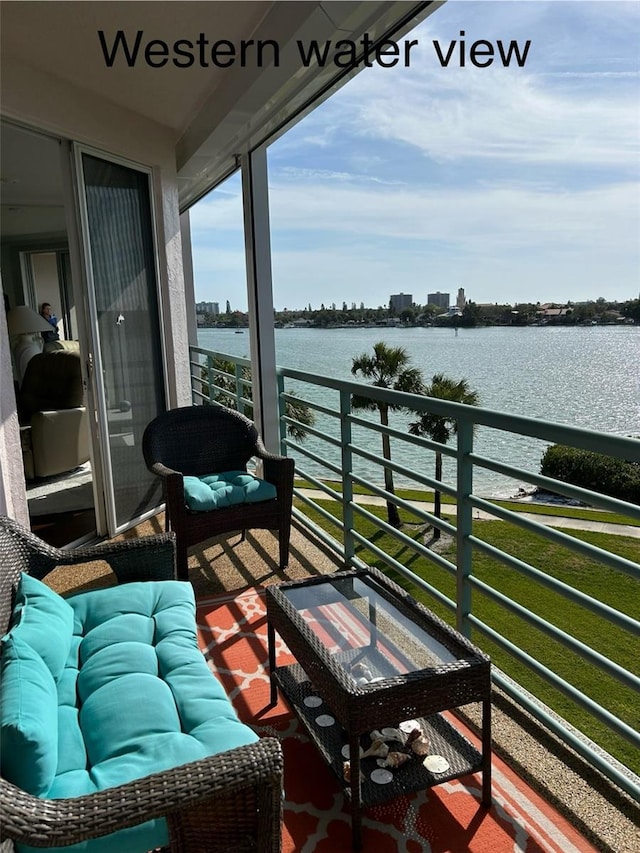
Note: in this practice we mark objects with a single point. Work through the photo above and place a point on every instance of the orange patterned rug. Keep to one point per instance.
(447, 818)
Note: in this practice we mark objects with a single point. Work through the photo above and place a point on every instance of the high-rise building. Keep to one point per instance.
(399, 301)
(440, 300)
(461, 300)
(207, 308)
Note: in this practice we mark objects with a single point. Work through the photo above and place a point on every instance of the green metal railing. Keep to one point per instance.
(335, 451)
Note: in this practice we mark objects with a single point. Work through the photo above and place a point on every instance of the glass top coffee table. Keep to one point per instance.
(371, 659)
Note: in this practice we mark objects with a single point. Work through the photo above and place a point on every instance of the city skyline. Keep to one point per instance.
(517, 184)
(204, 306)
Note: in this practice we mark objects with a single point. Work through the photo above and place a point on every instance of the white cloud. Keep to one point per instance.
(219, 213)
(514, 183)
(505, 117)
(573, 105)
(508, 216)
(512, 242)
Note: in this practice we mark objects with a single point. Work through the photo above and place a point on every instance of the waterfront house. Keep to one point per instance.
(553, 313)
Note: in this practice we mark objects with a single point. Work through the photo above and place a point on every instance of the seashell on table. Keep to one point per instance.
(361, 670)
(436, 763)
(394, 734)
(421, 745)
(378, 749)
(381, 776)
(414, 734)
(395, 759)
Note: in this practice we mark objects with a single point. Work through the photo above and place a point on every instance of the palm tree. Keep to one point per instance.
(439, 427)
(387, 368)
(223, 391)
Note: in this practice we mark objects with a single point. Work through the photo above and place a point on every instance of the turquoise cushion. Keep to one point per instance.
(229, 488)
(43, 620)
(147, 699)
(28, 718)
(134, 839)
(72, 752)
(136, 697)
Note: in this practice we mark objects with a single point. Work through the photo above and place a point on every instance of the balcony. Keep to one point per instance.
(560, 630)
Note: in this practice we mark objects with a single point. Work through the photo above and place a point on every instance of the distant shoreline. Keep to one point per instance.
(442, 326)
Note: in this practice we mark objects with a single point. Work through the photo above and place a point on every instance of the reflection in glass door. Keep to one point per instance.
(128, 374)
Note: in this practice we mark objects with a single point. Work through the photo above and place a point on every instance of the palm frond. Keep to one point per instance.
(439, 427)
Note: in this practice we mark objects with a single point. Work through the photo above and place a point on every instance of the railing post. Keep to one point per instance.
(239, 390)
(347, 483)
(464, 525)
(192, 378)
(281, 413)
(210, 377)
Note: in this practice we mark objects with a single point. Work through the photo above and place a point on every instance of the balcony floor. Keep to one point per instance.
(605, 816)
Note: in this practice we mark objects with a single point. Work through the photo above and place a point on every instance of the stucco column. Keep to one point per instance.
(255, 201)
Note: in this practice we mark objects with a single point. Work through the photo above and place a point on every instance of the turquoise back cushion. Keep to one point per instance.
(138, 697)
(229, 488)
(28, 718)
(43, 620)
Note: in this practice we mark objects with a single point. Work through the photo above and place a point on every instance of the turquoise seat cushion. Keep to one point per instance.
(43, 620)
(229, 488)
(136, 697)
(28, 718)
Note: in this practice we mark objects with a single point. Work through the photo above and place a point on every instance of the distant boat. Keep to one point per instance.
(239, 332)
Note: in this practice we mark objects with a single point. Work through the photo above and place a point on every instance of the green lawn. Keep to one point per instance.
(561, 510)
(615, 588)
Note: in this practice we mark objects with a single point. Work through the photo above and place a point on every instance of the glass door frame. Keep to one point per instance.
(94, 367)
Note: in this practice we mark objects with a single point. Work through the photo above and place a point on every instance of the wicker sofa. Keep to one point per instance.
(123, 739)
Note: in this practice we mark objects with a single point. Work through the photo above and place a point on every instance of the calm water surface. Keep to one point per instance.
(587, 377)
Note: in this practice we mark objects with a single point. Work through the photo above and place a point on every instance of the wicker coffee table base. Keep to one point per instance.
(445, 740)
(344, 713)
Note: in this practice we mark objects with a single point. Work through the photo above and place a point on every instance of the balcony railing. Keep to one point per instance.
(554, 629)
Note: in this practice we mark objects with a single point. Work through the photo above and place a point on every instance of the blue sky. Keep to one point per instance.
(518, 184)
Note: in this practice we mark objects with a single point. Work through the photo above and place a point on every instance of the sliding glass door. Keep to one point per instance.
(126, 363)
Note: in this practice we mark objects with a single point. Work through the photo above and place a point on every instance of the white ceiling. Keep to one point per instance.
(61, 38)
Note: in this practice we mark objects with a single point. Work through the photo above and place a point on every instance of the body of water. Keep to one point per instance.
(587, 377)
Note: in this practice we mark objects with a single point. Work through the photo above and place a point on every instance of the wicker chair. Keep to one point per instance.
(202, 440)
(229, 801)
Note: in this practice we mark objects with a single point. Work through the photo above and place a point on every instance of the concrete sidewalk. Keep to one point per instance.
(550, 520)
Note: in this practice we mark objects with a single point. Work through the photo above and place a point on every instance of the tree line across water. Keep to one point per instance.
(472, 315)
